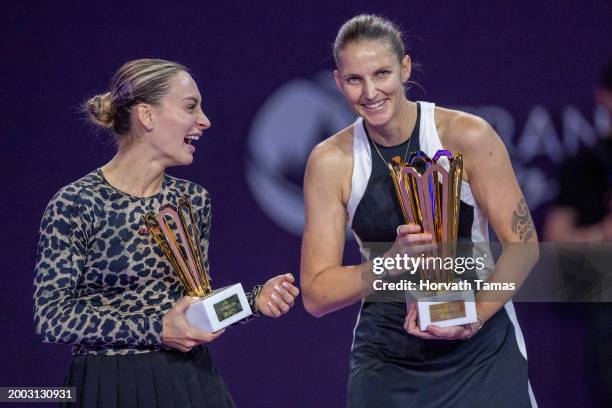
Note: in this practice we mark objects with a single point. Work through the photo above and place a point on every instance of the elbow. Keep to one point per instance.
(46, 327)
(315, 297)
(533, 249)
(40, 324)
(44, 331)
(50, 334)
(312, 306)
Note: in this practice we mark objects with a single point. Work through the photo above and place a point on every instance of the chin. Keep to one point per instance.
(376, 120)
(183, 161)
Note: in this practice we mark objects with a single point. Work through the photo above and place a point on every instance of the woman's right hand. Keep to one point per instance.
(410, 238)
(178, 334)
(410, 241)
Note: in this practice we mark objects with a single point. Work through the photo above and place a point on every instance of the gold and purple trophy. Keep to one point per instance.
(429, 196)
(175, 231)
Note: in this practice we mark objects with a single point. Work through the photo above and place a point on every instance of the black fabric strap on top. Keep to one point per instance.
(413, 143)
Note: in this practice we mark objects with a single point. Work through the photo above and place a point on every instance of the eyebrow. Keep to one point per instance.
(383, 68)
(351, 75)
(191, 98)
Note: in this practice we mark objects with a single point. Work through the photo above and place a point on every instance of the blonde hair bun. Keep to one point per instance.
(101, 110)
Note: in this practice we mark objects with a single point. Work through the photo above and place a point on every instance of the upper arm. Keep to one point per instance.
(492, 179)
(60, 257)
(324, 232)
(61, 314)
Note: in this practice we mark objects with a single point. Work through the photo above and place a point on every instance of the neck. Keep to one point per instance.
(399, 128)
(133, 171)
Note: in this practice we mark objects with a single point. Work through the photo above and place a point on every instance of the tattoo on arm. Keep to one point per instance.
(522, 224)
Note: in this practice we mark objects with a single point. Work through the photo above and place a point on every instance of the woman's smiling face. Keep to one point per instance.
(372, 80)
(178, 121)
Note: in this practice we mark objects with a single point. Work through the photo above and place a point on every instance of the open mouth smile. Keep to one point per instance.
(374, 105)
(191, 138)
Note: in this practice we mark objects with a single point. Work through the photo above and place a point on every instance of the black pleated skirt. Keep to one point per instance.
(158, 379)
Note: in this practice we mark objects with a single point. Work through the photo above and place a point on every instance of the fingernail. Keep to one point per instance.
(274, 296)
(285, 284)
(289, 275)
(277, 287)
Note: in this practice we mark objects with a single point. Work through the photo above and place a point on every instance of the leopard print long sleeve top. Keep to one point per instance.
(101, 284)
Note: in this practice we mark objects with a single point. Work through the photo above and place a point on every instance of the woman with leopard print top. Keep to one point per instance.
(100, 283)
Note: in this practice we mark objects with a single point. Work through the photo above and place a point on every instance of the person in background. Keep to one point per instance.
(582, 215)
(582, 211)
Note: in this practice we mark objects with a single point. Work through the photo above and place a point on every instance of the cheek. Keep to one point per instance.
(392, 87)
(352, 94)
(179, 127)
(166, 123)
(398, 84)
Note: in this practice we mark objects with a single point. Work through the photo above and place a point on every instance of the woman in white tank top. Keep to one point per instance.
(372, 70)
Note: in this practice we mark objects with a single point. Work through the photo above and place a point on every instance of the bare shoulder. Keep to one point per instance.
(330, 165)
(463, 132)
(334, 153)
(474, 138)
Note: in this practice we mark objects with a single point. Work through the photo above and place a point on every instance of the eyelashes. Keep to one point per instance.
(378, 74)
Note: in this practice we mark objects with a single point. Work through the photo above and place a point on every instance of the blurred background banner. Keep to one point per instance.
(264, 71)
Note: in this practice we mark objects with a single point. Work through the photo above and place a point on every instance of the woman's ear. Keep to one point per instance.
(337, 79)
(406, 68)
(144, 115)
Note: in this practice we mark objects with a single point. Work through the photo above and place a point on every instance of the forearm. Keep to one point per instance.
(326, 289)
(514, 264)
(62, 319)
(336, 287)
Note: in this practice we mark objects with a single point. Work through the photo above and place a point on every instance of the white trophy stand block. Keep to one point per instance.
(223, 307)
(435, 309)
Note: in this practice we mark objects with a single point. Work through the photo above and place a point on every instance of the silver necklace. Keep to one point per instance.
(380, 154)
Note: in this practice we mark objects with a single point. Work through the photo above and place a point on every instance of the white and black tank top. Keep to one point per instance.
(373, 210)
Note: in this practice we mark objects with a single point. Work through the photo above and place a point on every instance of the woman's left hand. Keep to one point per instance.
(277, 296)
(434, 332)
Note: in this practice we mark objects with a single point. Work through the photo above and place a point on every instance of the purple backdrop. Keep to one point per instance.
(517, 55)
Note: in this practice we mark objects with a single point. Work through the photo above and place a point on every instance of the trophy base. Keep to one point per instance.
(221, 308)
(446, 309)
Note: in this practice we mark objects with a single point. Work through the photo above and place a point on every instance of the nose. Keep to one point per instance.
(203, 122)
(369, 90)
